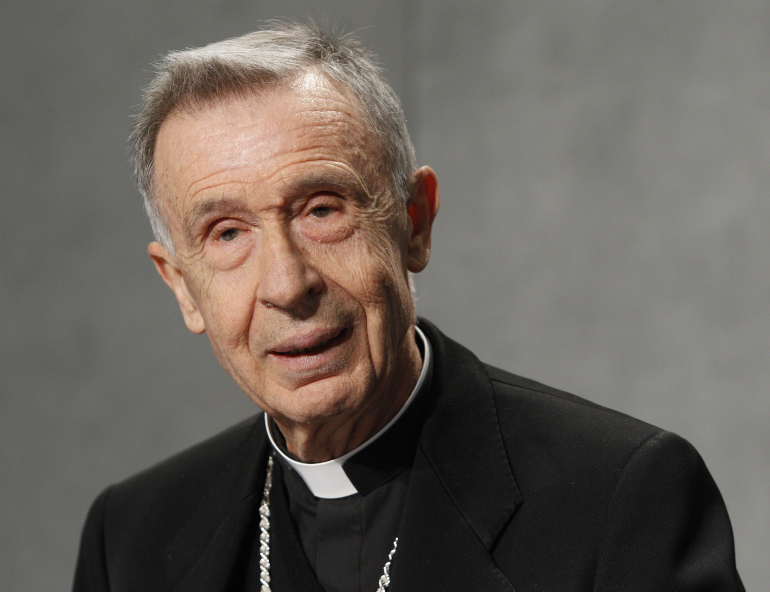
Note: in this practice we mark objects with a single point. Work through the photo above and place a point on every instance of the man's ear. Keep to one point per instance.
(423, 206)
(169, 270)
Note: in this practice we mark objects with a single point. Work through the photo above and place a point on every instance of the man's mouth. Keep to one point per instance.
(310, 345)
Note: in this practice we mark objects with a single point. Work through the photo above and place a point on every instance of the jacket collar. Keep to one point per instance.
(462, 492)
(463, 442)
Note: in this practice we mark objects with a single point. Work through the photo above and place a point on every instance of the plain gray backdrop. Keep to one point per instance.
(605, 228)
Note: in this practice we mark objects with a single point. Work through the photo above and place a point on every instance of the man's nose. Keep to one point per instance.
(287, 278)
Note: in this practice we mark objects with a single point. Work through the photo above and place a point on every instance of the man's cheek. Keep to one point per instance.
(363, 279)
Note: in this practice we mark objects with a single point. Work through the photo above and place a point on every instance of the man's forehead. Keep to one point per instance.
(246, 130)
(262, 115)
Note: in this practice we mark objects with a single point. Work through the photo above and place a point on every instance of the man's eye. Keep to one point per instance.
(320, 212)
(229, 234)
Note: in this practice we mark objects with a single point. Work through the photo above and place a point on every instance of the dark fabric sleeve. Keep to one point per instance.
(91, 569)
(667, 527)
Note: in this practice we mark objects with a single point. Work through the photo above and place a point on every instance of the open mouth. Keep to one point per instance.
(322, 345)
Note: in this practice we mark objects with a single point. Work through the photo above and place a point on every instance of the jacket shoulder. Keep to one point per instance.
(521, 400)
(563, 448)
(620, 497)
(188, 470)
(137, 522)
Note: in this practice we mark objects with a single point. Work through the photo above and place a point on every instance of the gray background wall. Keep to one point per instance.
(605, 228)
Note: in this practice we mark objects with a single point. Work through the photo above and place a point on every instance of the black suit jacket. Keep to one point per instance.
(515, 486)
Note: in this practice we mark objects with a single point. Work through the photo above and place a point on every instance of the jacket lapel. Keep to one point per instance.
(462, 491)
(203, 555)
(438, 549)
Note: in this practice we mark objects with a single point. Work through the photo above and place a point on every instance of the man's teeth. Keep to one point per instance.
(294, 352)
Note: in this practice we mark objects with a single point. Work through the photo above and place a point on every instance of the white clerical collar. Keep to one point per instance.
(327, 479)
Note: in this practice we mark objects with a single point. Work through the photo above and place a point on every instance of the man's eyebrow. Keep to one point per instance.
(206, 207)
(342, 182)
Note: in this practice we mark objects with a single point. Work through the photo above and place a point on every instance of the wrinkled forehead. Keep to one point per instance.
(263, 128)
(277, 108)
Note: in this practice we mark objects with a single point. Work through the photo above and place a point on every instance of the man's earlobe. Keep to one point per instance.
(169, 270)
(423, 207)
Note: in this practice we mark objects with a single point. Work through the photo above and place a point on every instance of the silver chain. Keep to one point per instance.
(385, 577)
(264, 539)
(264, 529)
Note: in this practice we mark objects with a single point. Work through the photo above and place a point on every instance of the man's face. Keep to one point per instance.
(292, 249)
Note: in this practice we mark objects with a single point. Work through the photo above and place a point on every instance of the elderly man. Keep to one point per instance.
(281, 185)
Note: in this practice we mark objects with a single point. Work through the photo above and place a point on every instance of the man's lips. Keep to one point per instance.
(311, 342)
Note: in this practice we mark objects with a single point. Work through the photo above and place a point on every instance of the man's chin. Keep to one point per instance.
(318, 399)
(311, 381)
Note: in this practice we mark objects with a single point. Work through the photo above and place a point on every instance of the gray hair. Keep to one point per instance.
(275, 55)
